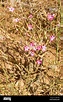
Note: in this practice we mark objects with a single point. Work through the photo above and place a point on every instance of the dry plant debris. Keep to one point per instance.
(28, 48)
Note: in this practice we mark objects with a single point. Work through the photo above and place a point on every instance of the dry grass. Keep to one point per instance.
(19, 72)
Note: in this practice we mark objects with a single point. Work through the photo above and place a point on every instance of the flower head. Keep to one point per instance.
(30, 16)
(50, 16)
(26, 48)
(32, 53)
(11, 9)
(39, 61)
(39, 47)
(52, 38)
(44, 48)
(32, 44)
(30, 27)
(16, 20)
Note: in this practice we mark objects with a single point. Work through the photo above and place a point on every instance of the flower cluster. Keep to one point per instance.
(50, 17)
(31, 25)
(33, 47)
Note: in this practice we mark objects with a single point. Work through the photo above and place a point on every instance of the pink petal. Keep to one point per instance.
(30, 16)
(16, 20)
(39, 61)
(30, 27)
(52, 38)
(26, 48)
(32, 44)
(11, 9)
(39, 47)
(44, 48)
(50, 17)
(32, 53)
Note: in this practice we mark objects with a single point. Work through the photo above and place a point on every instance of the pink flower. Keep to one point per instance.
(39, 47)
(39, 61)
(26, 48)
(16, 20)
(30, 27)
(32, 44)
(30, 16)
(44, 48)
(50, 16)
(52, 38)
(11, 9)
(32, 53)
